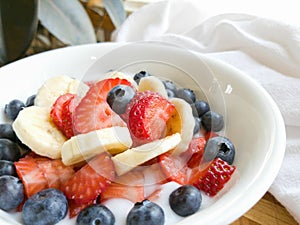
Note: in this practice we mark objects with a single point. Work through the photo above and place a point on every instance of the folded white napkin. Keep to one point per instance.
(265, 49)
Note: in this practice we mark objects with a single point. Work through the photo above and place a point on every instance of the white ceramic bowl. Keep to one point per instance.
(253, 121)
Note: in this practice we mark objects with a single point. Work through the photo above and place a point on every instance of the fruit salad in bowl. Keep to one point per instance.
(148, 142)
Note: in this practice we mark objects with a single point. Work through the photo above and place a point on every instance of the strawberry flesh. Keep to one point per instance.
(195, 151)
(93, 112)
(213, 178)
(89, 181)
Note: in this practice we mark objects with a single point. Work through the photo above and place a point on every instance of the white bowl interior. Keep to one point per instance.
(253, 121)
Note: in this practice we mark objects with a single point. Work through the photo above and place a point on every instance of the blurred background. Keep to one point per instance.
(28, 27)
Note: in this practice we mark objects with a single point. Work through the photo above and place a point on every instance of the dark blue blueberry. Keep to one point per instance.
(186, 94)
(13, 108)
(45, 207)
(185, 200)
(119, 97)
(200, 107)
(11, 192)
(170, 93)
(7, 168)
(138, 76)
(9, 150)
(6, 131)
(212, 121)
(197, 125)
(145, 213)
(170, 85)
(219, 147)
(30, 101)
(95, 215)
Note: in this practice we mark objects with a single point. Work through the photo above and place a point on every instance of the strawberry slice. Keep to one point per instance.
(75, 208)
(213, 178)
(89, 181)
(173, 167)
(129, 186)
(147, 116)
(195, 152)
(32, 177)
(61, 113)
(93, 112)
(209, 134)
(55, 172)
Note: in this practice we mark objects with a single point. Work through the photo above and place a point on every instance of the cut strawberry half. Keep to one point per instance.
(147, 116)
(173, 167)
(93, 112)
(213, 178)
(67, 117)
(89, 181)
(129, 186)
(32, 177)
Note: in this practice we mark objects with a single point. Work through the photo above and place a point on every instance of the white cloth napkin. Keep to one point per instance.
(265, 49)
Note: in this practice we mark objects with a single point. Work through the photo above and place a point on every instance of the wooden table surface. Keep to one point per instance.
(268, 211)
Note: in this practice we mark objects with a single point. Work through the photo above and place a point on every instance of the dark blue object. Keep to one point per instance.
(13, 108)
(119, 97)
(212, 121)
(145, 213)
(219, 147)
(186, 94)
(11, 192)
(9, 150)
(45, 207)
(94, 215)
(200, 107)
(138, 76)
(7, 168)
(185, 200)
(6, 131)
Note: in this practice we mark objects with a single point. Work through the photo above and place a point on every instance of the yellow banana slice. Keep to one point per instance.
(154, 84)
(84, 146)
(56, 86)
(34, 128)
(182, 121)
(133, 157)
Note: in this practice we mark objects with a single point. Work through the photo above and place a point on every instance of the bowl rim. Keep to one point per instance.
(277, 157)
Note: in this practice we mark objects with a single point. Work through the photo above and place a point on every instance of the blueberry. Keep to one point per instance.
(46, 207)
(170, 93)
(6, 131)
(11, 192)
(138, 76)
(200, 107)
(9, 150)
(219, 147)
(187, 94)
(94, 215)
(170, 85)
(197, 125)
(30, 101)
(7, 168)
(13, 108)
(185, 200)
(212, 121)
(146, 213)
(119, 97)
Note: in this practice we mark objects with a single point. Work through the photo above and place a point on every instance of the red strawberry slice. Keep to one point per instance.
(32, 177)
(61, 113)
(195, 151)
(209, 134)
(93, 112)
(147, 116)
(213, 178)
(129, 186)
(89, 181)
(75, 208)
(67, 117)
(173, 167)
(55, 172)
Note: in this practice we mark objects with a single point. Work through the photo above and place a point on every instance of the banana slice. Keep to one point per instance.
(56, 86)
(154, 84)
(182, 121)
(34, 128)
(84, 146)
(133, 157)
